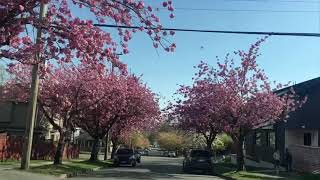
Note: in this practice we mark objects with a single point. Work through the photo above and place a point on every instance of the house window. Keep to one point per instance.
(271, 139)
(258, 138)
(307, 139)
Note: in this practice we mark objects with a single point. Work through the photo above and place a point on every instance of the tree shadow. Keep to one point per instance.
(112, 173)
(253, 176)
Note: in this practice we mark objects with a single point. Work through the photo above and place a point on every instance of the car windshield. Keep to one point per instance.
(125, 151)
(199, 153)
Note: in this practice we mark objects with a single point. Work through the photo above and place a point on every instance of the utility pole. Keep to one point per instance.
(32, 105)
(107, 135)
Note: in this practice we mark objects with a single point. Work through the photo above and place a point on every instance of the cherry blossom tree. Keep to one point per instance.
(127, 104)
(202, 110)
(62, 93)
(67, 38)
(242, 97)
(98, 119)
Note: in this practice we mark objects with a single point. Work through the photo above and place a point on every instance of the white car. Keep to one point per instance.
(172, 154)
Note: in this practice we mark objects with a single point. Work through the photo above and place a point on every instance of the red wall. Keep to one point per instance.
(11, 148)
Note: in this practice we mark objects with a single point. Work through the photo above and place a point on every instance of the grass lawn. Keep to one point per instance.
(69, 167)
(227, 171)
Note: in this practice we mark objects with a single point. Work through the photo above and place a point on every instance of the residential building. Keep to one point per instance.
(13, 117)
(299, 132)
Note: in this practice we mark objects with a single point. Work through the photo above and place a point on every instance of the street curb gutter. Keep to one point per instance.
(74, 174)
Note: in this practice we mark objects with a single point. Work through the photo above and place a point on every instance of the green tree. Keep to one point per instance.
(173, 141)
(139, 140)
(222, 142)
(135, 140)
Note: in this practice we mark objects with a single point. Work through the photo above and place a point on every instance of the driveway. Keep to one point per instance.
(154, 168)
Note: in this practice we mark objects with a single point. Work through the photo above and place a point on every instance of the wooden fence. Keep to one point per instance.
(11, 148)
(305, 158)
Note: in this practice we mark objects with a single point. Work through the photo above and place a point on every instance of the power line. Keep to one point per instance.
(277, 1)
(246, 10)
(216, 31)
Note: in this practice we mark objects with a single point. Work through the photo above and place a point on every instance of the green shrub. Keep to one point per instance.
(222, 142)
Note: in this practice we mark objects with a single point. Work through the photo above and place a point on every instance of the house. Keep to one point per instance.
(12, 130)
(13, 121)
(299, 132)
(85, 142)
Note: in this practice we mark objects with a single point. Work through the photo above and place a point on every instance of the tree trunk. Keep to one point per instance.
(209, 141)
(114, 148)
(106, 147)
(60, 149)
(240, 154)
(209, 145)
(95, 150)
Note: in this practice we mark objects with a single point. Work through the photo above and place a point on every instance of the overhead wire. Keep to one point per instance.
(246, 10)
(276, 1)
(297, 34)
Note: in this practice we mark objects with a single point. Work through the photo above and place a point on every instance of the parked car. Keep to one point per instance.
(165, 153)
(144, 152)
(198, 160)
(137, 154)
(172, 154)
(125, 157)
(155, 152)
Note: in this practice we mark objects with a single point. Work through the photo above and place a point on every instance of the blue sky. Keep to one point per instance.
(284, 58)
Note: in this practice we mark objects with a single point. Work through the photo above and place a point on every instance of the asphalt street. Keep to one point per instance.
(154, 168)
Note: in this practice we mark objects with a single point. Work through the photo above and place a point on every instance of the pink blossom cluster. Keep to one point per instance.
(232, 97)
(87, 96)
(67, 38)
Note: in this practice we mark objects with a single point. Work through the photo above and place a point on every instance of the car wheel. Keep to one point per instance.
(138, 160)
(133, 163)
(210, 171)
(184, 168)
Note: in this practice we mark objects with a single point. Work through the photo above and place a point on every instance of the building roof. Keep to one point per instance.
(84, 136)
(308, 116)
(302, 87)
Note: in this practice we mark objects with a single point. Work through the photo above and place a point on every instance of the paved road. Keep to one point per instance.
(154, 168)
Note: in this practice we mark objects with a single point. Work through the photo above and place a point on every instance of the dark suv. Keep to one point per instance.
(125, 157)
(198, 160)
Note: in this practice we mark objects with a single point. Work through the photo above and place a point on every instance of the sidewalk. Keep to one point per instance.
(261, 164)
(17, 165)
(18, 175)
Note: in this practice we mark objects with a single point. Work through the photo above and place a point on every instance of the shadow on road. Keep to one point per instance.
(153, 168)
(163, 168)
(126, 174)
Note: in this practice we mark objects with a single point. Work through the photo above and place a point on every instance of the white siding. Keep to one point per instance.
(296, 137)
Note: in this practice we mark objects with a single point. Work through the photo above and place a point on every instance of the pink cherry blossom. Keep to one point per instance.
(67, 38)
(232, 97)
